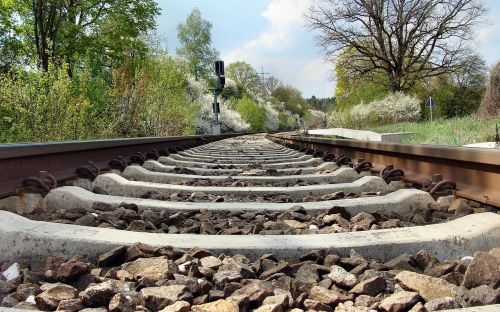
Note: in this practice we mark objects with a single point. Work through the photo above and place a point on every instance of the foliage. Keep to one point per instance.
(457, 94)
(146, 98)
(244, 75)
(11, 46)
(351, 90)
(272, 118)
(93, 69)
(41, 106)
(229, 119)
(196, 39)
(151, 100)
(490, 104)
(65, 32)
(270, 85)
(322, 104)
(396, 107)
(292, 99)
(287, 121)
(252, 113)
(231, 90)
(315, 119)
(339, 119)
(405, 40)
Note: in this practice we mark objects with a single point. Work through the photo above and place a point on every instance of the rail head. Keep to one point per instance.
(61, 159)
(466, 154)
(476, 172)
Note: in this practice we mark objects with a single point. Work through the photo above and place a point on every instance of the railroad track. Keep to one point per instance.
(242, 223)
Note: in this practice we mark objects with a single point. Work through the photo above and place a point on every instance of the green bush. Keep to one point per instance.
(151, 99)
(252, 113)
(292, 99)
(145, 98)
(41, 106)
(286, 121)
(452, 99)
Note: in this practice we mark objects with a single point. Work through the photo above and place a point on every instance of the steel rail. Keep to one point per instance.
(60, 159)
(475, 171)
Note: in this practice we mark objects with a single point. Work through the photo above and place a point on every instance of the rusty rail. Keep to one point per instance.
(476, 172)
(25, 165)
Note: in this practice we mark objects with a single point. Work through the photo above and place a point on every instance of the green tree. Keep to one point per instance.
(351, 89)
(11, 46)
(252, 113)
(196, 39)
(456, 94)
(322, 104)
(64, 32)
(292, 98)
(244, 75)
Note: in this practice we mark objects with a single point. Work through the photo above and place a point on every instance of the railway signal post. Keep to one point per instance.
(221, 81)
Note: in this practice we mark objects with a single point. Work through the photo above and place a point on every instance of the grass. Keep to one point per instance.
(453, 132)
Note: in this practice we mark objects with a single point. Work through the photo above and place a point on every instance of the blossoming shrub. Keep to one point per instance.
(272, 118)
(315, 119)
(394, 108)
(229, 119)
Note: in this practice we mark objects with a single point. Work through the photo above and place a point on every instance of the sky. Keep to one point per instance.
(271, 34)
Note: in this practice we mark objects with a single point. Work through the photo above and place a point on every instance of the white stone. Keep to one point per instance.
(12, 272)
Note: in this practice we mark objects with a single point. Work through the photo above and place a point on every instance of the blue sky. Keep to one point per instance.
(271, 34)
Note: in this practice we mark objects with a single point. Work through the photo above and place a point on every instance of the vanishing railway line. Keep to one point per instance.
(240, 223)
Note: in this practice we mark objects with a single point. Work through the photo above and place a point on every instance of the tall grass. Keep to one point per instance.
(454, 131)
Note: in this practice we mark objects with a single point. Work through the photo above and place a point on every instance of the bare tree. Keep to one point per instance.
(270, 84)
(407, 40)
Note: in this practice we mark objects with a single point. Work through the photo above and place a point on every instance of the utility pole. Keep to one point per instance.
(263, 74)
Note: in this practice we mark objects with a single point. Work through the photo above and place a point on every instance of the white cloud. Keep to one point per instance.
(315, 71)
(285, 17)
(286, 36)
(486, 35)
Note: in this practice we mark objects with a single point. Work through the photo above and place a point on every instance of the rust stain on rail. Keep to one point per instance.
(476, 171)
(61, 159)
